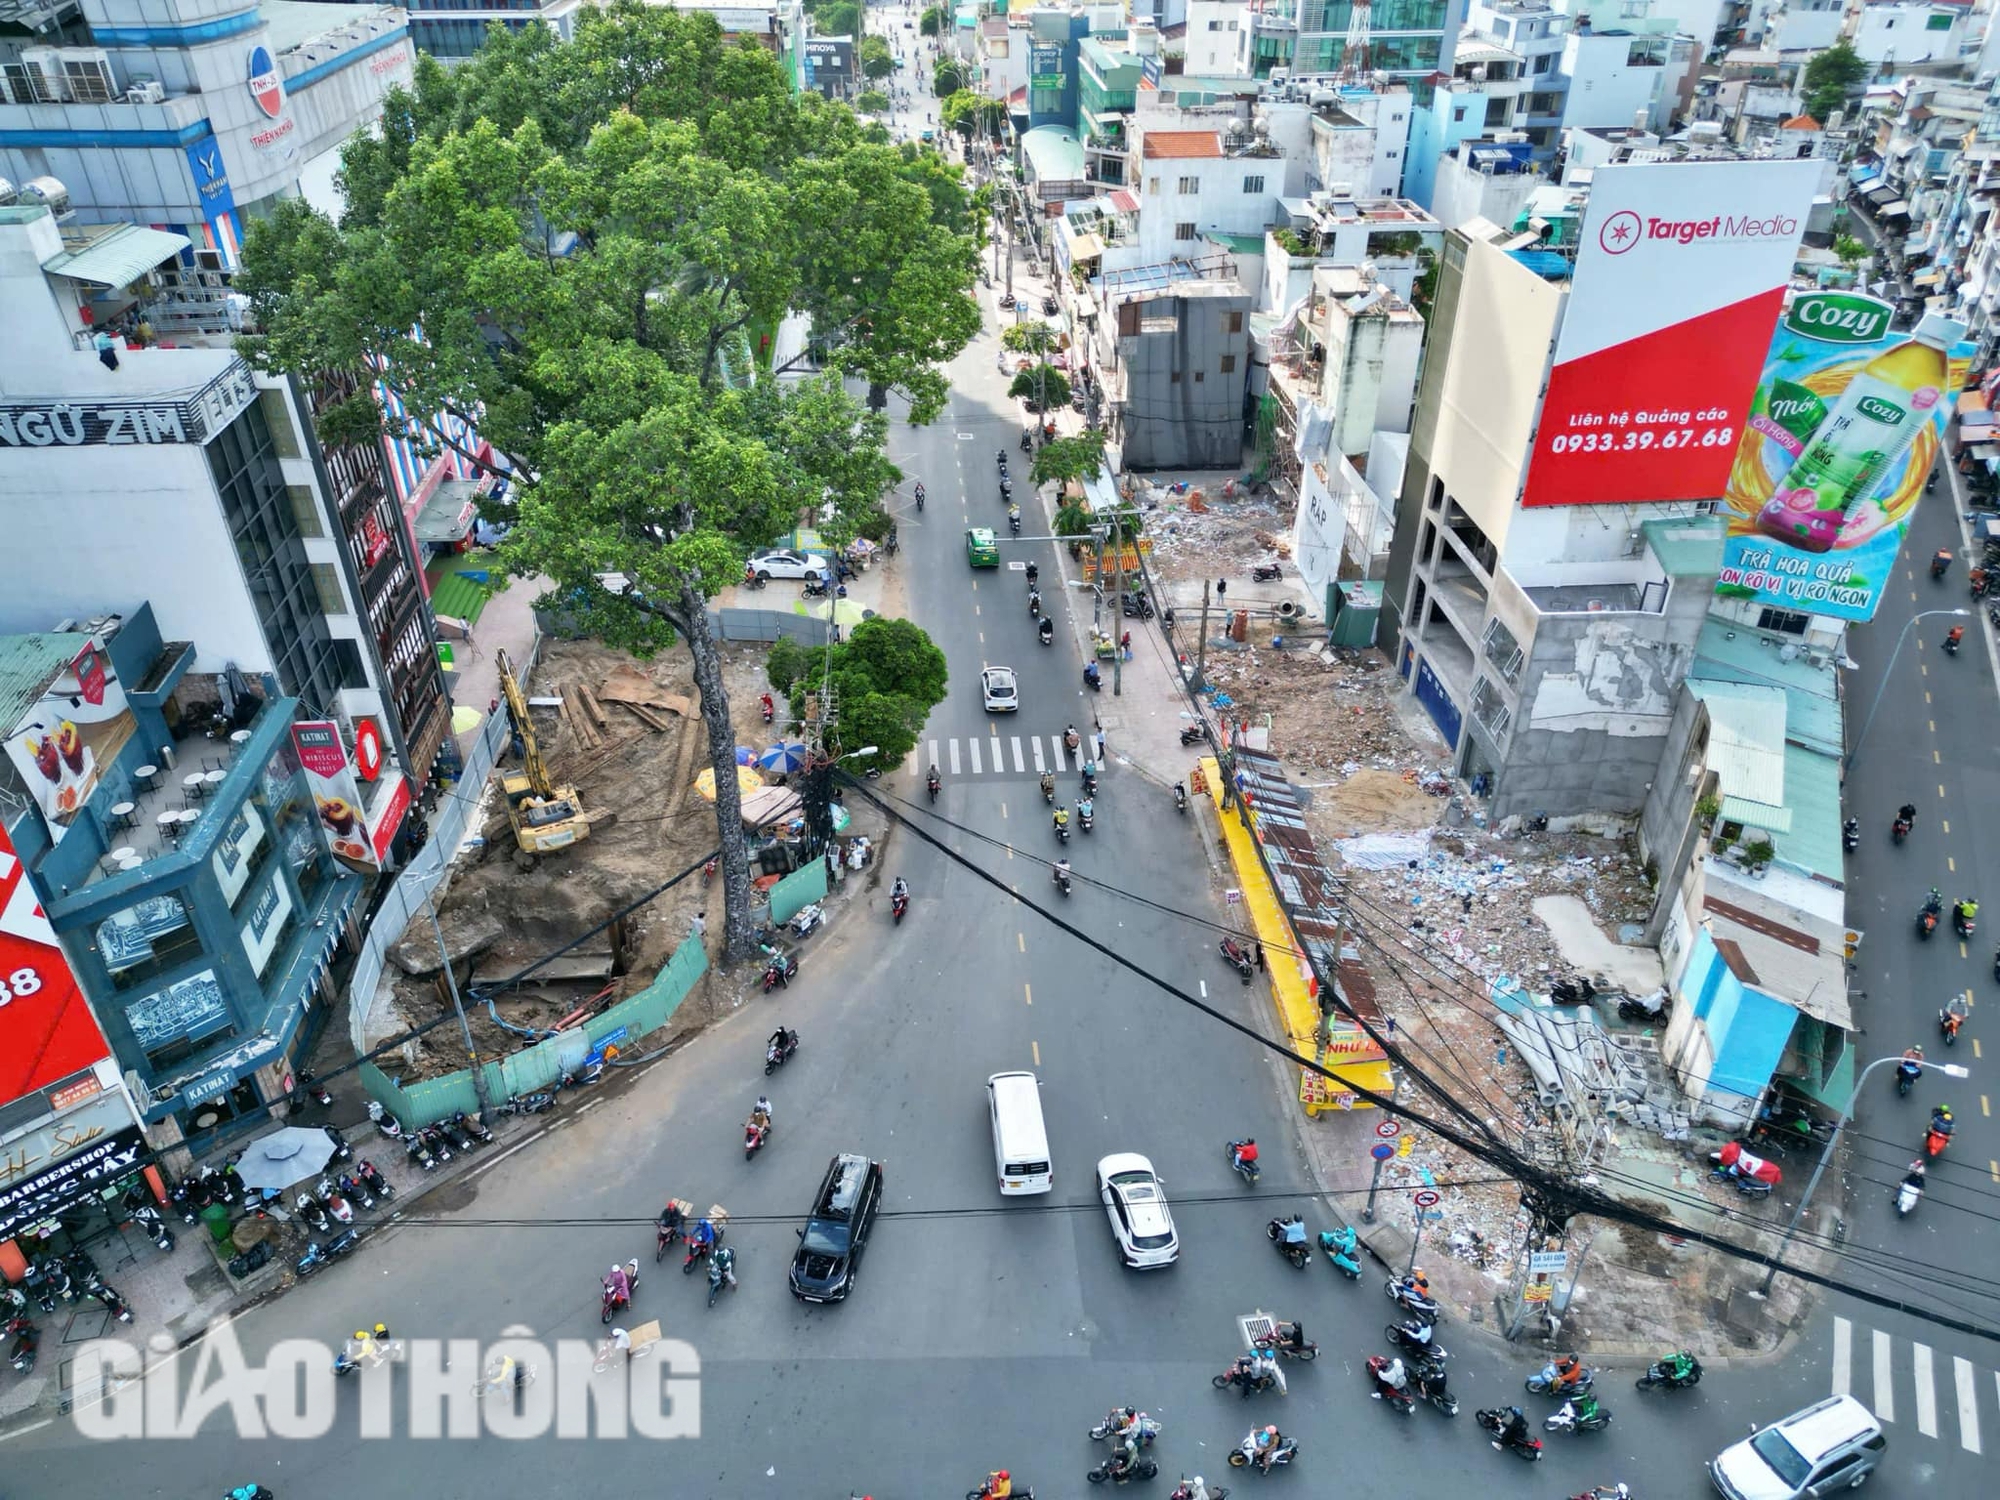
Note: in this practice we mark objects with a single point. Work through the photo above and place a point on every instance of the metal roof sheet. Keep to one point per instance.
(28, 663)
(120, 257)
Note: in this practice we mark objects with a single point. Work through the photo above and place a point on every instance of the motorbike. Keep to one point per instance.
(1149, 1428)
(1415, 1335)
(1086, 818)
(534, 1104)
(815, 589)
(933, 783)
(1180, 806)
(1266, 572)
(26, 1342)
(1752, 1176)
(1237, 958)
(419, 1153)
(1850, 835)
(1411, 1298)
(1048, 631)
(614, 1303)
(753, 579)
(1245, 1452)
(389, 1350)
(472, 1126)
(1135, 607)
(354, 1190)
(315, 1091)
(1297, 1251)
(780, 969)
(1661, 1373)
(696, 1250)
(436, 1140)
(807, 920)
(1962, 923)
(341, 1150)
(1061, 877)
(313, 1212)
(754, 1136)
(1279, 1343)
(107, 1294)
(1339, 1246)
(1401, 1397)
(1495, 1421)
(1950, 1019)
(897, 906)
(385, 1122)
(1092, 678)
(721, 1269)
(1245, 1374)
(1062, 832)
(1909, 1190)
(1568, 1418)
(777, 1054)
(1543, 1382)
(149, 1219)
(1194, 734)
(335, 1204)
(1900, 829)
(1250, 1170)
(1937, 1136)
(1143, 1468)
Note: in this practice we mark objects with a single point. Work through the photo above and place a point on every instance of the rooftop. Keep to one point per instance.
(1182, 145)
(1054, 153)
(1726, 652)
(28, 664)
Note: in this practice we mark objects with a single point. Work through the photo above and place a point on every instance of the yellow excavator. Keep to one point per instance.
(545, 817)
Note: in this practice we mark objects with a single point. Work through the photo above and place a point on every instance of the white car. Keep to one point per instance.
(782, 562)
(1140, 1222)
(996, 690)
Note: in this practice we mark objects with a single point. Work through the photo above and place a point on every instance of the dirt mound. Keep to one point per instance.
(1373, 801)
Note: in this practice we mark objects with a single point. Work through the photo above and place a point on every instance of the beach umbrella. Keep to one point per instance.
(784, 758)
(747, 781)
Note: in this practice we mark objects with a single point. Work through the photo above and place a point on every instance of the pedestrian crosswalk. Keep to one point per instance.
(1943, 1389)
(1004, 755)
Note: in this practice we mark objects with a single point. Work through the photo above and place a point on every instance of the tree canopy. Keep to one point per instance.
(1043, 387)
(947, 79)
(573, 247)
(1831, 79)
(1079, 457)
(887, 676)
(876, 59)
(931, 21)
(968, 113)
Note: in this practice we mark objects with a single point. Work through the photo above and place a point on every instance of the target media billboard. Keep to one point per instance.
(1681, 271)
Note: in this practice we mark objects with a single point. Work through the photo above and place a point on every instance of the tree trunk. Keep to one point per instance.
(739, 941)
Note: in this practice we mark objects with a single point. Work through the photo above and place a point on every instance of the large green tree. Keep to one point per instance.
(887, 676)
(969, 113)
(570, 247)
(1832, 78)
(876, 59)
(1079, 457)
(932, 20)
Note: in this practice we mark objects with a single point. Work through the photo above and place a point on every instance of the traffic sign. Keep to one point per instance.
(1542, 1262)
(1426, 1199)
(1389, 1129)
(1538, 1291)
(1406, 1145)
(1431, 1215)
(1381, 1151)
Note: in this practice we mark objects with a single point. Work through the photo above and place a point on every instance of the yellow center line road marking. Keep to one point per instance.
(1036, 1047)
(1021, 941)
(1927, 695)
(1985, 1108)
(1936, 759)
(1975, 1046)
(1950, 864)
(1027, 994)
(1994, 1168)
(1003, 812)
(1945, 824)
(1940, 789)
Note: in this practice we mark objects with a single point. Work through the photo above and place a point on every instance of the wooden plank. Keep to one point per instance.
(592, 706)
(644, 715)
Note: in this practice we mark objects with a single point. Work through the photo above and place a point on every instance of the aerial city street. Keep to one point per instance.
(886, 750)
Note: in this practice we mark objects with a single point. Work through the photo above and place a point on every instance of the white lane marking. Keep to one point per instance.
(31, 1427)
(1843, 1356)
(972, 749)
(1020, 765)
(1036, 746)
(1061, 755)
(933, 745)
(1885, 1390)
(1968, 1403)
(954, 756)
(1926, 1390)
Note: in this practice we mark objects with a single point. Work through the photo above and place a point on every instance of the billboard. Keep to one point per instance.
(1681, 270)
(323, 758)
(1844, 427)
(69, 736)
(46, 1029)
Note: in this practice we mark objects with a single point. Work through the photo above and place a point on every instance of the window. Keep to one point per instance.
(1784, 621)
(1184, 231)
(1175, 378)
(326, 582)
(1232, 322)
(1228, 365)
(1253, 184)
(1200, 376)
(1215, 26)
(1152, 185)
(1189, 186)
(1458, 115)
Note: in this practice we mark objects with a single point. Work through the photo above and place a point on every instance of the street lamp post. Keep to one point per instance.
(1887, 672)
(1950, 1070)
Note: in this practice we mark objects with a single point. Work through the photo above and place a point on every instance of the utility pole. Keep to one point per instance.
(457, 1004)
(1118, 593)
(1201, 639)
(1097, 583)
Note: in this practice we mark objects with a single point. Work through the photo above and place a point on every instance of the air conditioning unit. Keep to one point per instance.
(42, 71)
(89, 76)
(146, 91)
(136, 1086)
(164, 1093)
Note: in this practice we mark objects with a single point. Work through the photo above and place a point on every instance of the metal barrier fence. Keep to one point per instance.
(428, 1100)
(426, 874)
(800, 888)
(768, 625)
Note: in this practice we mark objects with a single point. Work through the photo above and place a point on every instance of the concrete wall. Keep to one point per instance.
(1460, 194)
(1195, 421)
(1371, 375)
(1668, 831)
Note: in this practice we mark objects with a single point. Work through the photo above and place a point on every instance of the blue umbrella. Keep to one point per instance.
(785, 758)
(745, 756)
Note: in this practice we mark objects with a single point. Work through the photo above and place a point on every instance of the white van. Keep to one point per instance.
(1020, 1143)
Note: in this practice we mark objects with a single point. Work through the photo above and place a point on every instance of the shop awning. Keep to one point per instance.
(1877, 196)
(120, 257)
(1087, 247)
(447, 516)
(1971, 401)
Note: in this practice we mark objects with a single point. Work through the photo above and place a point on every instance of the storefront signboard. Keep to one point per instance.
(48, 1192)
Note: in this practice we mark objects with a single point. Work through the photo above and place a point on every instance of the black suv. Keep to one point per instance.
(843, 1211)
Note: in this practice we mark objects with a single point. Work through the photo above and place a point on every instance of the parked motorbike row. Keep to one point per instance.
(54, 1281)
(430, 1146)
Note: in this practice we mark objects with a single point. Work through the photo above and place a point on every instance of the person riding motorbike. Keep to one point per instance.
(1515, 1430)
(671, 1217)
(933, 780)
(724, 1262)
(1268, 1440)
(1059, 872)
(999, 1485)
(619, 1285)
(1395, 1376)
(1953, 636)
(1907, 815)
(703, 1235)
(769, 706)
(1949, 1021)
(1090, 673)
(1086, 810)
(1569, 1370)
(1912, 1064)
(1292, 1231)
(1034, 603)
(364, 1349)
(1246, 1154)
(1583, 1407)
(920, 494)
(1940, 561)
(783, 1040)
(1290, 1336)
(1966, 910)
(760, 1112)
(1071, 739)
(1942, 1123)
(1048, 784)
(504, 1370)
(1061, 819)
(899, 890)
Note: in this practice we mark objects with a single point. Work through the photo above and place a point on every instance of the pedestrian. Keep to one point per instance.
(1221, 587)
(698, 926)
(1100, 746)
(1260, 954)
(1125, 644)
(107, 349)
